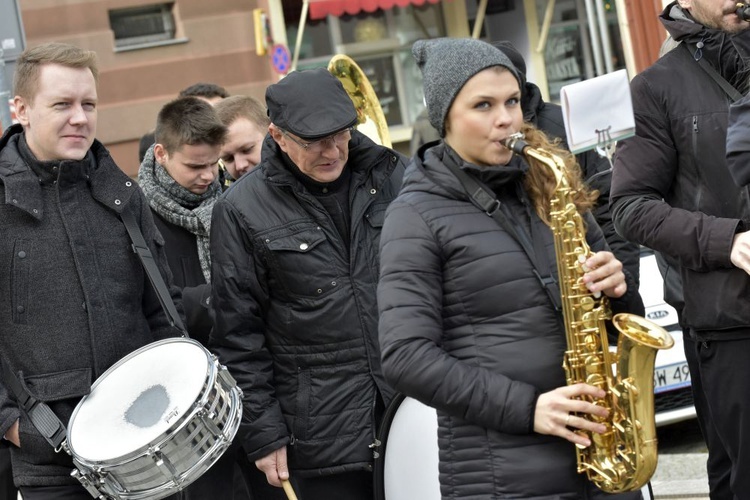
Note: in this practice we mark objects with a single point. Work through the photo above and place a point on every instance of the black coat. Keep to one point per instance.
(75, 296)
(738, 141)
(671, 190)
(296, 312)
(181, 248)
(467, 328)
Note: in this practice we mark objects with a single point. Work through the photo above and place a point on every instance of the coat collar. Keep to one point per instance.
(364, 155)
(109, 185)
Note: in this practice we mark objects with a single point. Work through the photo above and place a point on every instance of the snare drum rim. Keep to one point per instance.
(378, 482)
(130, 456)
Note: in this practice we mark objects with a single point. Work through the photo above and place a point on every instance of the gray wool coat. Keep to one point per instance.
(74, 298)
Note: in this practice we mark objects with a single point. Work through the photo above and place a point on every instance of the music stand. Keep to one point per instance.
(597, 113)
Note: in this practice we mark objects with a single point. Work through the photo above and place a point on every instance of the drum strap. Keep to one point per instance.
(154, 276)
(41, 415)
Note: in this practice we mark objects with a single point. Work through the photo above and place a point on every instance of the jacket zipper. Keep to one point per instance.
(695, 135)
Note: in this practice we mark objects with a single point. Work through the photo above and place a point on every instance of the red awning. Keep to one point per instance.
(321, 8)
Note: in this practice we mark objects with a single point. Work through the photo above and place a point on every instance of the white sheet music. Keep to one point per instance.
(598, 111)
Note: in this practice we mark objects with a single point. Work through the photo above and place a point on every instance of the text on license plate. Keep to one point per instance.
(671, 377)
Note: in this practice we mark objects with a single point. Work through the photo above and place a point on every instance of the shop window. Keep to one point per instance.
(580, 44)
(380, 43)
(145, 25)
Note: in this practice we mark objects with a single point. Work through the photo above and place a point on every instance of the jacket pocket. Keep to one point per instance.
(333, 401)
(21, 265)
(711, 300)
(62, 391)
(302, 404)
(376, 215)
(301, 261)
(59, 386)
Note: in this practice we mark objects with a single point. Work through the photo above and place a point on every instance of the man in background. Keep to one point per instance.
(247, 122)
(672, 192)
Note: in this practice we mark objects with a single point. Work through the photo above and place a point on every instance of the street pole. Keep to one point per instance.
(5, 120)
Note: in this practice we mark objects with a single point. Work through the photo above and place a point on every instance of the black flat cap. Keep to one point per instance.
(310, 104)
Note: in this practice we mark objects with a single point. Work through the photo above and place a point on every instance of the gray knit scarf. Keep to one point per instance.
(179, 206)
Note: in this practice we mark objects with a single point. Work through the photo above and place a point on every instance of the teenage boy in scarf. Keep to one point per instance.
(180, 176)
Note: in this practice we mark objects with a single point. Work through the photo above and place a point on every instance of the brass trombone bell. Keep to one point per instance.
(370, 116)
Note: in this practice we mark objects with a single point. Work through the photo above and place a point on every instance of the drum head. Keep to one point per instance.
(138, 399)
(408, 468)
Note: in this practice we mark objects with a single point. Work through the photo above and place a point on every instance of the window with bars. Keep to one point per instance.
(146, 24)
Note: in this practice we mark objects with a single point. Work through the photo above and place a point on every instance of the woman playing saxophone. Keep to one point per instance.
(470, 323)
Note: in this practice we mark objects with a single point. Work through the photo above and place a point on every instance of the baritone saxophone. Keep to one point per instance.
(624, 457)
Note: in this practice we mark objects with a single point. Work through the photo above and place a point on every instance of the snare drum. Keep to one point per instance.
(154, 422)
(407, 465)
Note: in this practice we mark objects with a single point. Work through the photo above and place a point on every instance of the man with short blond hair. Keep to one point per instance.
(78, 297)
(247, 121)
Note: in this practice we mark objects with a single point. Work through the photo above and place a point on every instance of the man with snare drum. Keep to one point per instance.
(75, 297)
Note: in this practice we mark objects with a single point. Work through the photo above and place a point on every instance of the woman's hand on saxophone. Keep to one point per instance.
(603, 274)
(557, 412)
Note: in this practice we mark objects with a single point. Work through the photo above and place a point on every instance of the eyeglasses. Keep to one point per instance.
(322, 144)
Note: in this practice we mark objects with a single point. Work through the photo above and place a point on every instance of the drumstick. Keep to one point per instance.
(288, 489)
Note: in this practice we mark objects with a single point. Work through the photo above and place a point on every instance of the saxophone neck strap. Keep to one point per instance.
(484, 199)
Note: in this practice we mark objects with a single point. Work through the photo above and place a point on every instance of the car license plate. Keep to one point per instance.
(671, 377)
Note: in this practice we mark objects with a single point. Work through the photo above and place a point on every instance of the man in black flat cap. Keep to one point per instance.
(296, 313)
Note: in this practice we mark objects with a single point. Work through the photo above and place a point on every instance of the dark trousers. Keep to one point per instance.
(67, 492)
(218, 482)
(255, 481)
(72, 492)
(720, 373)
(233, 477)
(348, 485)
(7, 490)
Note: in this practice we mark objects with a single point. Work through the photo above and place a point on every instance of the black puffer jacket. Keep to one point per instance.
(466, 327)
(671, 190)
(296, 312)
(75, 297)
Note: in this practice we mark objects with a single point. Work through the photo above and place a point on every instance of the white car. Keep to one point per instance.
(673, 399)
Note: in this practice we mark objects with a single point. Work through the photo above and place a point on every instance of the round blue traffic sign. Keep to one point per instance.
(280, 58)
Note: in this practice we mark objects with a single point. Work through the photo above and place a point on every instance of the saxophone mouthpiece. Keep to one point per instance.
(743, 11)
(515, 143)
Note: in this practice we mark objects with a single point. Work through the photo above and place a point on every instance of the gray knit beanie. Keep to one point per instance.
(447, 64)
